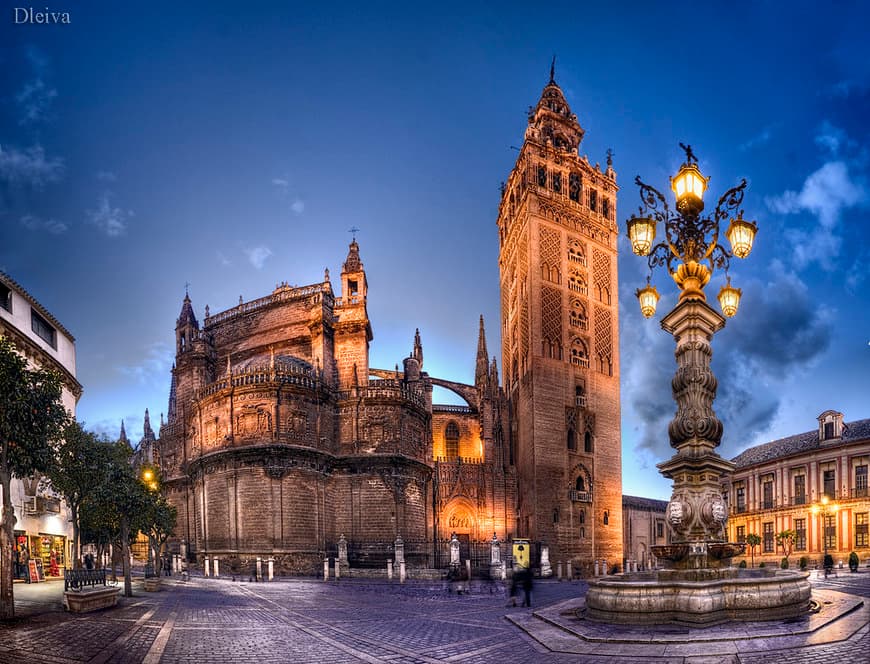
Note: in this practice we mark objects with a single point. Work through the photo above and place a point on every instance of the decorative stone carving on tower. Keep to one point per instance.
(556, 213)
(353, 331)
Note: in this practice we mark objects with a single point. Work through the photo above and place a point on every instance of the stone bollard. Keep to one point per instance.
(205, 568)
(259, 569)
(326, 569)
(569, 570)
(504, 570)
(337, 570)
(402, 572)
(546, 568)
(559, 570)
(596, 567)
(495, 560)
(468, 571)
(390, 569)
(342, 553)
(216, 564)
(604, 567)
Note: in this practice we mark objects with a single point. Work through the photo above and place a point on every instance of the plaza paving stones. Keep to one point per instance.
(213, 621)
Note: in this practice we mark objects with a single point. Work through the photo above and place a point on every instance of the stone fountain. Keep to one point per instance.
(698, 586)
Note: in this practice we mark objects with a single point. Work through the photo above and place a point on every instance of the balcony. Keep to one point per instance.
(580, 401)
(767, 504)
(799, 500)
(579, 496)
(860, 492)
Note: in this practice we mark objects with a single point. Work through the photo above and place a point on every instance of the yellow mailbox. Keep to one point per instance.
(522, 549)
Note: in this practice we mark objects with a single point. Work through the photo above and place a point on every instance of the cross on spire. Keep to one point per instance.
(187, 288)
(353, 230)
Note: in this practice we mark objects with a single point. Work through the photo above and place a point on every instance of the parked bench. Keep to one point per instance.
(88, 590)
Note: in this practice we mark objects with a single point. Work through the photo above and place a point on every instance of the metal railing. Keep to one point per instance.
(579, 496)
(78, 579)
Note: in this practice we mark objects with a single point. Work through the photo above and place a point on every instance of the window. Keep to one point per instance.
(579, 397)
(593, 200)
(861, 537)
(800, 529)
(660, 529)
(800, 490)
(574, 187)
(861, 481)
(587, 442)
(579, 354)
(830, 531)
(829, 483)
(741, 534)
(580, 485)
(5, 298)
(606, 518)
(572, 439)
(542, 176)
(767, 537)
(829, 430)
(741, 498)
(451, 440)
(42, 329)
(575, 253)
(582, 532)
(353, 287)
(605, 207)
(557, 183)
(577, 284)
(767, 495)
(555, 515)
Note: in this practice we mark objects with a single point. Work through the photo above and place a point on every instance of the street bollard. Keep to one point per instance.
(468, 570)
(259, 569)
(217, 568)
(271, 562)
(205, 567)
(326, 569)
(390, 569)
(402, 572)
(504, 570)
(596, 567)
(337, 570)
(559, 570)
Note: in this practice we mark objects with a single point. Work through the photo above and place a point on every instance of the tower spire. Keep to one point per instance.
(123, 436)
(481, 369)
(553, 70)
(418, 348)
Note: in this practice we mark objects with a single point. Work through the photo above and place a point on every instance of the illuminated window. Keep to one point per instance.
(800, 490)
(451, 440)
(861, 535)
(767, 537)
(800, 529)
(741, 534)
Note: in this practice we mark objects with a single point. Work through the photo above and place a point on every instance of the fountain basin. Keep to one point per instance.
(698, 597)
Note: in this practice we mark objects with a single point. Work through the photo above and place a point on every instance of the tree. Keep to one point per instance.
(75, 476)
(753, 541)
(32, 418)
(786, 540)
(159, 520)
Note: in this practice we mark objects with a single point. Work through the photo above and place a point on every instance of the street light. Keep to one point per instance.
(825, 509)
(150, 480)
(690, 249)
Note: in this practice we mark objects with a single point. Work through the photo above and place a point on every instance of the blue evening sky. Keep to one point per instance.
(232, 146)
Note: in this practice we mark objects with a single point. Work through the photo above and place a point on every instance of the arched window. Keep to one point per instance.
(606, 518)
(577, 284)
(587, 442)
(577, 315)
(582, 517)
(572, 440)
(579, 354)
(451, 440)
(574, 187)
(555, 515)
(575, 253)
(582, 532)
(580, 485)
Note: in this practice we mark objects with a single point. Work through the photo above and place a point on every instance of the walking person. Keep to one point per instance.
(527, 587)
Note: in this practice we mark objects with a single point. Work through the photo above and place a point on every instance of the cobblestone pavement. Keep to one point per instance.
(207, 621)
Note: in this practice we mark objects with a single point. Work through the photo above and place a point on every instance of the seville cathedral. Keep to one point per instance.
(281, 441)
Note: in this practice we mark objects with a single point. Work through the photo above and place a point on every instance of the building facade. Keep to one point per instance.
(643, 526)
(560, 347)
(814, 483)
(42, 531)
(281, 440)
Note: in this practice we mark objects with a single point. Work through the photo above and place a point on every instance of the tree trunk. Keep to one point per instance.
(7, 536)
(125, 554)
(77, 554)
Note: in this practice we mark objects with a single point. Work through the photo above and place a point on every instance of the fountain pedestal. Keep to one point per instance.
(698, 586)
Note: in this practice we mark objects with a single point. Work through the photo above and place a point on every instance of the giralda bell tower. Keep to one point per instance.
(560, 338)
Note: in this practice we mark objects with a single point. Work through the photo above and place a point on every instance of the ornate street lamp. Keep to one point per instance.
(691, 251)
(825, 509)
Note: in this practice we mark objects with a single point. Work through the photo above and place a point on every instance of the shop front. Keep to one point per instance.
(45, 551)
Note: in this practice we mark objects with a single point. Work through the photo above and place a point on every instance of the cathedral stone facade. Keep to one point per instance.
(281, 440)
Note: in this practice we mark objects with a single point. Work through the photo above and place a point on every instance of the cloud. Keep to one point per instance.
(298, 206)
(109, 219)
(758, 140)
(106, 176)
(281, 183)
(29, 167)
(154, 369)
(258, 255)
(825, 193)
(283, 186)
(34, 100)
(831, 138)
(223, 260)
(779, 332)
(34, 223)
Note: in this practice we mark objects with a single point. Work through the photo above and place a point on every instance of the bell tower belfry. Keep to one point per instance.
(353, 330)
(560, 351)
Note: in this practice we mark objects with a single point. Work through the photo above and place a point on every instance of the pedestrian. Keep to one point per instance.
(527, 587)
(89, 561)
(513, 588)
